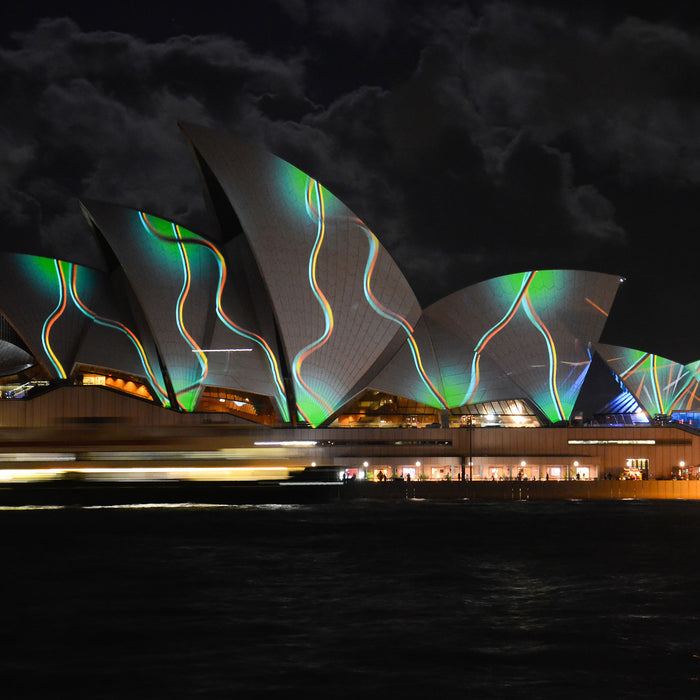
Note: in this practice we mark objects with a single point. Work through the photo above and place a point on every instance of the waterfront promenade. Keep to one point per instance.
(65, 493)
(525, 490)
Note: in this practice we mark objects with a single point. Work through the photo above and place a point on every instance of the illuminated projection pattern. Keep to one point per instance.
(660, 385)
(186, 241)
(318, 408)
(64, 295)
(298, 284)
(178, 278)
(401, 377)
(436, 398)
(310, 412)
(154, 376)
(349, 320)
(509, 337)
(341, 304)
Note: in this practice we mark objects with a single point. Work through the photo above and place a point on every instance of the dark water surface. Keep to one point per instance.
(345, 600)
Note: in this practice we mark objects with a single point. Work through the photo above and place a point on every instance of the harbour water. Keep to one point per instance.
(365, 598)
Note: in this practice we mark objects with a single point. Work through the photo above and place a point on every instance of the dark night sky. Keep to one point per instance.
(475, 139)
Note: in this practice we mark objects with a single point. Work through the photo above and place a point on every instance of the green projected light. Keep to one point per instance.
(659, 384)
(155, 381)
(189, 371)
(314, 406)
(533, 296)
(189, 257)
(437, 399)
(310, 403)
(68, 286)
(306, 196)
(294, 187)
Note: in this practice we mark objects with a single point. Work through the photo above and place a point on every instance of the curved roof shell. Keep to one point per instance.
(205, 330)
(339, 299)
(521, 335)
(68, 314)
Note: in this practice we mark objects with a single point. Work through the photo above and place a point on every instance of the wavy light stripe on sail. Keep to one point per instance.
(657, 388)
(179, 320)
(391, 315)
(184, 292)
(318, 293)
(486, 338)
(551, 351)
(48, 324)
(102, 321)
(249, 335)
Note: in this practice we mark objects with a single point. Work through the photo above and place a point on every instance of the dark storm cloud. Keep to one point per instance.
(95, 114)
(473, 141)
(439, 175)
(358, 19)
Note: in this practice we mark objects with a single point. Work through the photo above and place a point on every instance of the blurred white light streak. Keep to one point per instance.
(289, 443)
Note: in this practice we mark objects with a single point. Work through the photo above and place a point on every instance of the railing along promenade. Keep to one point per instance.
(524, 490)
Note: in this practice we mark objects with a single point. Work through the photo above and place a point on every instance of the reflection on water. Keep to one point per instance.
(413, 598)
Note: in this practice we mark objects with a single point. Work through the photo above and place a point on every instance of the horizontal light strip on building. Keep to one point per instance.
(288, 443)
(612, 442)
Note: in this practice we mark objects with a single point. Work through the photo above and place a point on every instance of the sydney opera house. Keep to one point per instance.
(287, 338)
